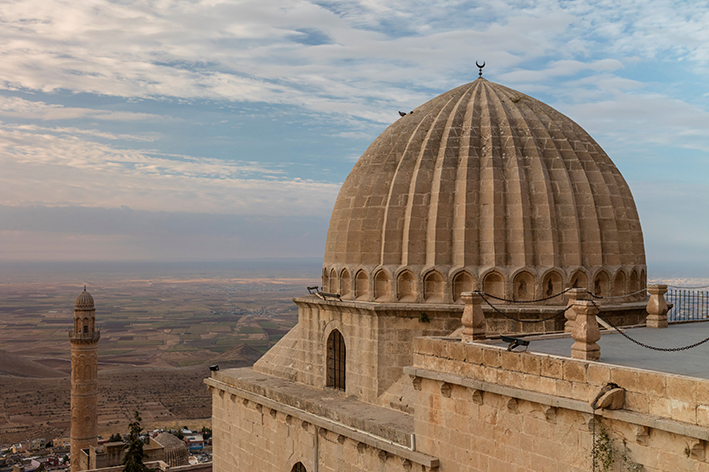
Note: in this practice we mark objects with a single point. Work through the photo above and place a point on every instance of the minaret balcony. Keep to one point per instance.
(84, 337)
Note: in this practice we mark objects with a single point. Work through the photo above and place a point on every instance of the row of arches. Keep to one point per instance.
(84, 325)
(523, 285)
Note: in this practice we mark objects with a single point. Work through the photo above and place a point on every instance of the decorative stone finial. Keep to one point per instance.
(480, 67)
(473, 319)
(585, 331)
(656, 307)
(573, 295)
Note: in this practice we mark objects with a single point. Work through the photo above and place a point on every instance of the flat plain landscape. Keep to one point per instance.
(160, 329)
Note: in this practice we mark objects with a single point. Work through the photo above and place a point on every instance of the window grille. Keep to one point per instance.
(336, 360)
(299, 467)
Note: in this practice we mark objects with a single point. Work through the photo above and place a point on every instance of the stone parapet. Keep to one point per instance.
(274, 431)
(661, 395)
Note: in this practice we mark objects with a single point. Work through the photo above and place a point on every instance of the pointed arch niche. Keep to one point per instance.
(524, 289)
(405, 287)
(382, 286)
(433, 287)
(362, 286)
(462, 282)
(494, 284)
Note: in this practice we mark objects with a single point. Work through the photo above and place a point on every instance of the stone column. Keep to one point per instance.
(585, 332)
(473, 319)
(656, 307)
(573, 295)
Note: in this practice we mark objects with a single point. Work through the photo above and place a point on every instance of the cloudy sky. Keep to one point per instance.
(203, 130)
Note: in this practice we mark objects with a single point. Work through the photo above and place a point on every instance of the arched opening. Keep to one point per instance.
(345, 283)
(361, 286)
(600, 284)
(551, 285)
(405, 287)
(524, 287)
(619, 287)
(382, 286)
(325, 280)
(86, 325)
(494, 284)
(579, 280)
(462, 282)
(336, 360)
(299, 467)
(433, 287)
(332, 288)
(633, 286)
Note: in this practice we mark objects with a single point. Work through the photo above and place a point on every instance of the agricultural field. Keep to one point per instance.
(158, 336)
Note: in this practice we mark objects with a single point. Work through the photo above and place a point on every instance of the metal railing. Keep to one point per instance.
(689, 304)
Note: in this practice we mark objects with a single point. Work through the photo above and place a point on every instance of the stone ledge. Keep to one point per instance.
(520, 309)
(385, 444)
(650, 421)
(333, 405)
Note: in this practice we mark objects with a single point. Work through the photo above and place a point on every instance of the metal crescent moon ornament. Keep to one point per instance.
(480, 73)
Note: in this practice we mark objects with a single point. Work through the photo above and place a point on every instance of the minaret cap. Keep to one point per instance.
(84, 300)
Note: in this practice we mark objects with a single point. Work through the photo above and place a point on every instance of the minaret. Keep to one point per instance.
(84, 367)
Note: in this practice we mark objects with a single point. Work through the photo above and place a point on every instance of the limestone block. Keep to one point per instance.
(573, 295)
(585, 331)
(473, 319)
(656, 307)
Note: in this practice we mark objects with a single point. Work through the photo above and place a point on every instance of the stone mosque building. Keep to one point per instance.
(397, 364)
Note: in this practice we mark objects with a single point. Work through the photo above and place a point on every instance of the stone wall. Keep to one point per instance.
(249, 435)
(482, 408)
(378, 338)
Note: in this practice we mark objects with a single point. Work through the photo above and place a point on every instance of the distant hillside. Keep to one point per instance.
(238, 356)
(19, 366)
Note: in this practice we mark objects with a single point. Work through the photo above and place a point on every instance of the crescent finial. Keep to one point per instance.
(480, 73)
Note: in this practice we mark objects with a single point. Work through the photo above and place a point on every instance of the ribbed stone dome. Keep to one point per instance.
(483, 187)
(84, 300)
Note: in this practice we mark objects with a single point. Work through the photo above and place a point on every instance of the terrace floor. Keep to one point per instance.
(616, 349)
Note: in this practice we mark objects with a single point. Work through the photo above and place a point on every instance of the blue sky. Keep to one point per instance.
(204, 130)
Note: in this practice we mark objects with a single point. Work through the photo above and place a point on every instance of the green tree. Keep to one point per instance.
(133, 460)
(115, 437)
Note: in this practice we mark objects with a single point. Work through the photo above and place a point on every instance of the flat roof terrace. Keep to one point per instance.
(616, 349)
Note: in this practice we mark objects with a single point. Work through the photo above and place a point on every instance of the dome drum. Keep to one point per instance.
(431, 285)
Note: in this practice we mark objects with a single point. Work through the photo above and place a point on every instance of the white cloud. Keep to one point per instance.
(40, 166)
(17, 107)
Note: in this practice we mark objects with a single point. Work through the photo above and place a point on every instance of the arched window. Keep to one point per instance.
(86, 325)
(299, 467)
(336, 360)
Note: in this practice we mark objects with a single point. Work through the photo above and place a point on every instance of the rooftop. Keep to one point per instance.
(616, 349)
